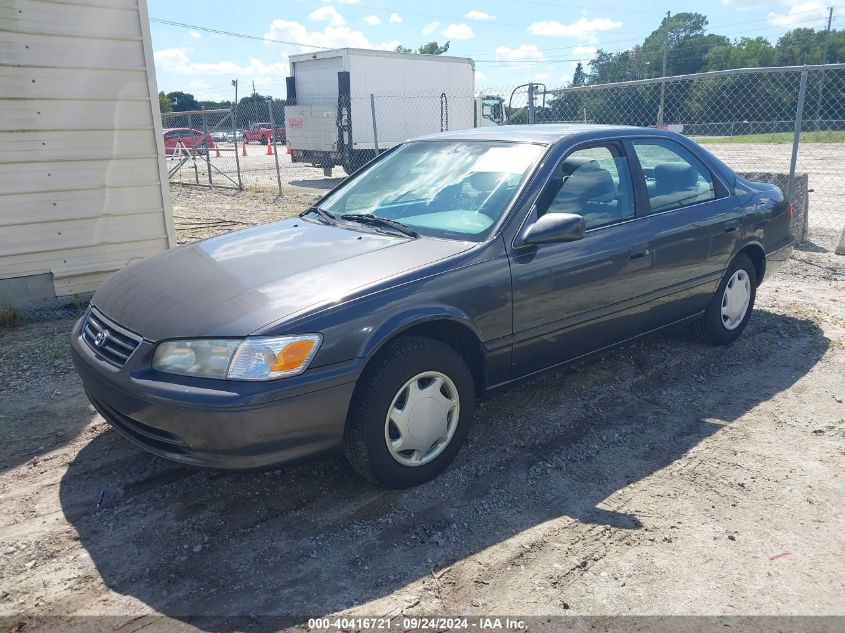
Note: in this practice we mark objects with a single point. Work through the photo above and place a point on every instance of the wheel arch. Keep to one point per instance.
(453, 330)
(757, 255)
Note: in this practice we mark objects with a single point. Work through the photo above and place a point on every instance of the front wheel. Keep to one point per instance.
(411, 413)
(730, 308)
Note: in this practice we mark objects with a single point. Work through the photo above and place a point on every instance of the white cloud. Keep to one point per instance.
(541, 77)
(458, 32)
(804, 14)
(526, 52)
(479, 15)
(372, 20)
(342, 1)
(329, 37)
(177, 61)
(480, 76)
(430, 28)
(395, 18)
(195, 35)
(327, 14)
(582, 29)
(744, 5)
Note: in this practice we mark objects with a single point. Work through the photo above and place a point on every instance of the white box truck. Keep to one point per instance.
(330, 119)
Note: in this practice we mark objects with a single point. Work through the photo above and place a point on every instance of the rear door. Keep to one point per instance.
(693, 221)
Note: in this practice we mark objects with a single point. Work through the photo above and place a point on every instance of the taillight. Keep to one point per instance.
(789, 211)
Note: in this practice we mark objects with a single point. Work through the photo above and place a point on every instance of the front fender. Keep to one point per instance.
(395, 325)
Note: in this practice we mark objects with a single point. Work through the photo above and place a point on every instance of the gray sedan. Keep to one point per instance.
(451, 266)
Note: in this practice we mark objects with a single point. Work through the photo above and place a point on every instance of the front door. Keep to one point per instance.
(572, 298)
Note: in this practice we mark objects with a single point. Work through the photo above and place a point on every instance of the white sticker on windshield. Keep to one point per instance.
(514, 159)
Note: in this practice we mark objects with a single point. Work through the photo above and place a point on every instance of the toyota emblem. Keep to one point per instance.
(101, 338)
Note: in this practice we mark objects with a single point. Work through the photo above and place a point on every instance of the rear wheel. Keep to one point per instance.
(411, 412)
(730, 308)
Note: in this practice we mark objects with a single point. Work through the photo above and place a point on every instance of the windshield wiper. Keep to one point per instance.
(373, 220)
(328, 218)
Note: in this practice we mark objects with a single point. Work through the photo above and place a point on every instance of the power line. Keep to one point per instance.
(245, 36)
(494, 63)
(710, 28)
(502, 63)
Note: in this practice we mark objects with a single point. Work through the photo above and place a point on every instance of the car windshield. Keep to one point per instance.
(452, 189)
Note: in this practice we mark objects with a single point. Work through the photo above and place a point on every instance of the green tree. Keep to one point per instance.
(579, 77)
(744, 53)
(431, 48)
(164, 104)
(183, 101)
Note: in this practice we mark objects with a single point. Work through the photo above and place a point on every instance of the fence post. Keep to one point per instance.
(207, 148)
(840, 248)
(233, 114)
(273, 138)
(375, 127)
(530, 103)
(796, 139)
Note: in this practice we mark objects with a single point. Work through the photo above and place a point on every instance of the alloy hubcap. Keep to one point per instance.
(422, 418)
(735, 300)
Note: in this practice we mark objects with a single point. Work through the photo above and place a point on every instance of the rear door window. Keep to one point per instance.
(674, 177)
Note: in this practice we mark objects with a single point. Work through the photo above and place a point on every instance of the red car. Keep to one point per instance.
(188, 138)
(263, 133)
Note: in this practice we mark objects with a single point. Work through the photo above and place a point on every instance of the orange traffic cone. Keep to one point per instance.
(243, 149)
(269, 149)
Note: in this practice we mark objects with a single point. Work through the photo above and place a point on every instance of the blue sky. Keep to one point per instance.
(512, 42)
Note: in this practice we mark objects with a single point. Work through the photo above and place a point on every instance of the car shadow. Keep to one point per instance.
(312, 539)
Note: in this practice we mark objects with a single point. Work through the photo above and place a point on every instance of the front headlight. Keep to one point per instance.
(252, 358)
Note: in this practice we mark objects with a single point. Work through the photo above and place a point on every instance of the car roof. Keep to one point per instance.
(545, 133)
(180, 129)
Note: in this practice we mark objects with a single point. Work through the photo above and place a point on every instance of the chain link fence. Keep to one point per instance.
(783, 125)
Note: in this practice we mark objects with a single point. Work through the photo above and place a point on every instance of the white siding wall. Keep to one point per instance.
(82, 175)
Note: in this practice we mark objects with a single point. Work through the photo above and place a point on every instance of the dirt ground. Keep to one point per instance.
(666, 477)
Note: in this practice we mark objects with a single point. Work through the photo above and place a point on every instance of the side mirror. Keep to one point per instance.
(553, 228)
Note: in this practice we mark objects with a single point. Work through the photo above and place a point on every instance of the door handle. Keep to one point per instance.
(731, 226)
(638, 253)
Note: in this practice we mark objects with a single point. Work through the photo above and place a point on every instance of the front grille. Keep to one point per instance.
(109, 340)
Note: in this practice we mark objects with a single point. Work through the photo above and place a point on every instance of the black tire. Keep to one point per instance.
(264, 140)
(364, 439)
(245, 140)
(712, 327)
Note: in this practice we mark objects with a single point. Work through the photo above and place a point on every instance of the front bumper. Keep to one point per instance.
(216, 423)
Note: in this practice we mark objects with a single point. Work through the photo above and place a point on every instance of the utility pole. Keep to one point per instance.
(663, 83)
(821, 73)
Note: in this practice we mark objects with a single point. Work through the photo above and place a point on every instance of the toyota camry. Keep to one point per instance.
(449, 267)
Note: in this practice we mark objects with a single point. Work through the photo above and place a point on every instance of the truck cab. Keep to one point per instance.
(491, 109)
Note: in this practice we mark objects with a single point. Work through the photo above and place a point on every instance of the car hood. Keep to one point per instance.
(237, 283)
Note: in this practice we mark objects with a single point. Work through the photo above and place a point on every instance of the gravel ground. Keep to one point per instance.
(665, 477)
(200, 213)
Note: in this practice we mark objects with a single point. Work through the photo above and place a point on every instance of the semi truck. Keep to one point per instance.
(344, 106)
